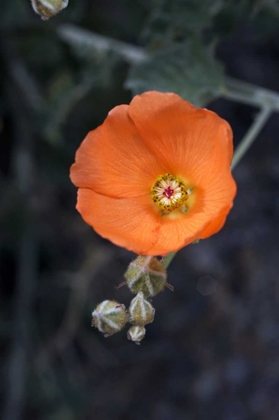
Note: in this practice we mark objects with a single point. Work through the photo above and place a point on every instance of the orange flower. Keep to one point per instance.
(155, 176)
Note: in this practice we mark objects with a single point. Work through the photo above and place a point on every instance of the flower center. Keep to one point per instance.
(169, 192)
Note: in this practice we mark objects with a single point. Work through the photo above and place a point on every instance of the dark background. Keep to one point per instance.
(213, 349)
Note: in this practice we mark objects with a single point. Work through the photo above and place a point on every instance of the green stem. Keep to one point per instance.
(168, 259)
(247, 93)
(251, 135)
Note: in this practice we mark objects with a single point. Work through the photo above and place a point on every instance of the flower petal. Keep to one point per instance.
(180, 232)
(217, 189)
(113, 160)
(215, 225)
(127, 222)
(177, 233)
(181, 136)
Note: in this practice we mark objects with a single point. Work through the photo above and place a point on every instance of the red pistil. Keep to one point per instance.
(168, 192)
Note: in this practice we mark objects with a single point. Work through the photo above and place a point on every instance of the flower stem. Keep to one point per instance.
(168, 259)
(77, 36)
(250, 94)
(251, 134)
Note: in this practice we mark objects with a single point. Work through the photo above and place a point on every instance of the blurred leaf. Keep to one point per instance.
(172, 21)
(236, 12)
(66, 91)
(63, 96)
(188, 69)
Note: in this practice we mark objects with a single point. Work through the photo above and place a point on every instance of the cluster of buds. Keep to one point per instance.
(145, 277)
(140, 312)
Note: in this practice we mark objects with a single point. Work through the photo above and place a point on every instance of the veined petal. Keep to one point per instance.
(174, 234)
(127, 222)
(113, 160)
(180, 232)
(182, 137)
(217, 189)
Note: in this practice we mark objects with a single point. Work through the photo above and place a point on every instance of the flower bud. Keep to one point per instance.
(48, 8)
(147, 275)
(136, 334)
(109, 317)
(141, 312)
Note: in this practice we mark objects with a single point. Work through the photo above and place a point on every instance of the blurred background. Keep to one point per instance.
(213, 349)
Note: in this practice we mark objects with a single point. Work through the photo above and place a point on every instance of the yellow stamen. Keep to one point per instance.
(169, 193)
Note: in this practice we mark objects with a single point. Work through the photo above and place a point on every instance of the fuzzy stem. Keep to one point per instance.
(168, 259)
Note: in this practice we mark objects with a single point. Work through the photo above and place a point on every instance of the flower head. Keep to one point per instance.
(155, 176)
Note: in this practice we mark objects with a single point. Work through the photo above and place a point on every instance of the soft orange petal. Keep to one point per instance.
(217, 190)
(177, 233)
(113, 159)
(127, 222)
(180, 232)
(216, 224)
(181, 136)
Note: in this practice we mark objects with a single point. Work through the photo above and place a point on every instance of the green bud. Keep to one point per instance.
(141, 312)
(109, 317)
(136, 334)
(147, 275)
(48, 8)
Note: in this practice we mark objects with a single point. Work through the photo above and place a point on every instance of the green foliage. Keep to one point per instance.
(178, 33)
(188, 69)
(171, 21)
(177, 20)
(237, 12)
